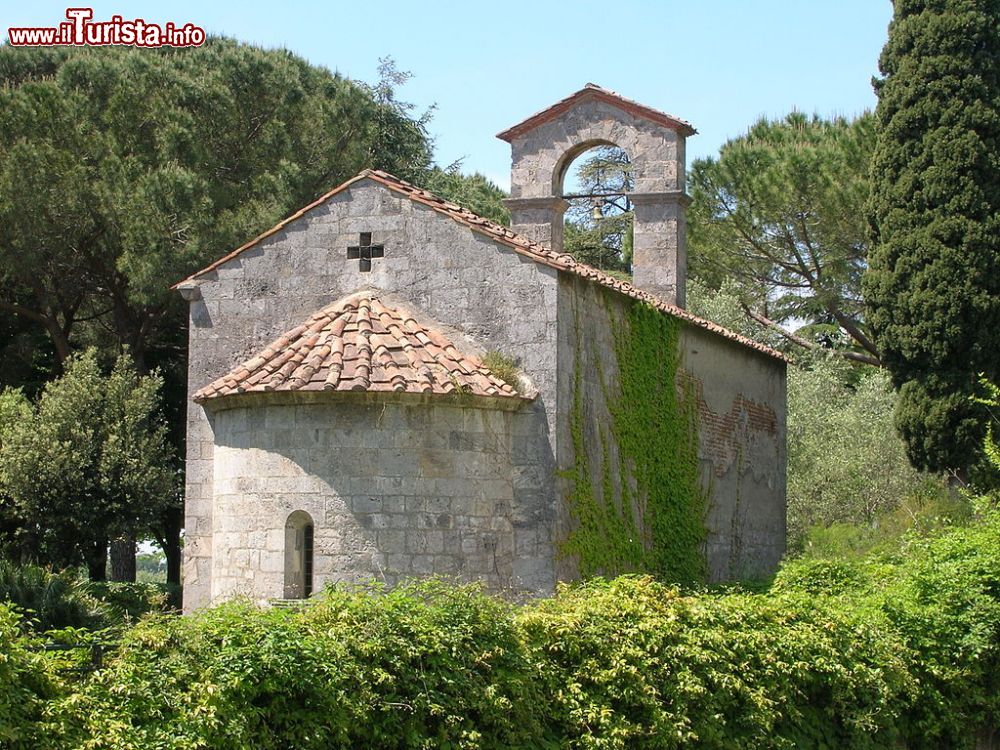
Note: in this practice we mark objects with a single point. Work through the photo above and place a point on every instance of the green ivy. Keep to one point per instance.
(647, 513)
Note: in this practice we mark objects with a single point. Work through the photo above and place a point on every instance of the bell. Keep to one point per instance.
(595, 212)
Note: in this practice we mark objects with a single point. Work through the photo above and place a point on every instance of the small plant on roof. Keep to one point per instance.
(503, 367)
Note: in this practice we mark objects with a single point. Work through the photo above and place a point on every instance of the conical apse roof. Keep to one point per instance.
(360, 343)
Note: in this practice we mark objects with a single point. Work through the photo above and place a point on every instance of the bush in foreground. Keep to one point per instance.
(881, 652)
(28, 686)
(49, 600)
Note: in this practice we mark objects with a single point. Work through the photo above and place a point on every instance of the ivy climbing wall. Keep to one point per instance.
(670, 447)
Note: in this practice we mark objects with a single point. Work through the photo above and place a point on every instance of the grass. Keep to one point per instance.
(503, 367)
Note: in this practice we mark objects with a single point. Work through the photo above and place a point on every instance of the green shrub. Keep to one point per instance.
(945, 603)
(129, 601)
(426, 665)
(49, 600)
(631, 664)
(928, 510)
(889, 651)
(26, 686)
(881, 652)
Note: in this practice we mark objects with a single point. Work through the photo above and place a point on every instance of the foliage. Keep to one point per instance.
(604, 242)
(643, 514)
(151, 567)
(90, 463)
(123, 601)
(641, 666)
(399, 142)
(49, 600)
(879, 652)
(991, 401)
(474, 192)
(504, 367)
(123, 169)
(781, 212)
(424, 666)
(53, 601)
(933, 288)
(15, 408)
(943, 601)
(27, 684)
(723, 306)
(598, 230)
(846, 464)
(927, 510)
(605, 170)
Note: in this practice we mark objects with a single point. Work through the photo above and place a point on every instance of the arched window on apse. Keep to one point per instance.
(299, 533)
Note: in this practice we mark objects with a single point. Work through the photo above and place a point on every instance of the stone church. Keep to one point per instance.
(345, 424)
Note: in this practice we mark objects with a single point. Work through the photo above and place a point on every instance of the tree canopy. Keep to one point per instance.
(122, 170)
(933, 286)
(474, 192)
(781, 211)
(89, 463)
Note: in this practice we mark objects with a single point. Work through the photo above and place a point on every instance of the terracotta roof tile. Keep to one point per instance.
(592, 90)
(499, 233)
(360, 344)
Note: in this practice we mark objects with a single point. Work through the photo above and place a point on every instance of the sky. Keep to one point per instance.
(719, 64)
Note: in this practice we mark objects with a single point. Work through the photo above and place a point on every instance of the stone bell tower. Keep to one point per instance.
(544, 146)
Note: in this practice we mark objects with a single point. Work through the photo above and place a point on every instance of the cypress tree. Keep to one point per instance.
(933, 283)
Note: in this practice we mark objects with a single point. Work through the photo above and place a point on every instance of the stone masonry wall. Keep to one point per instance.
(541, 157)
(394, 490)
(741, 414)
(742, 430)
(493, 298)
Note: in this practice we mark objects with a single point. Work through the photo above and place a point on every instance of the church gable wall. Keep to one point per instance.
(477, 288)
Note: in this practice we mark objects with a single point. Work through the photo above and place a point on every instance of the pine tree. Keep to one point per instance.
(780, 212)
(933, 283)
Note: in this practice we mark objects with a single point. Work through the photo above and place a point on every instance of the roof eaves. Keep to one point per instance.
(498, 233)
(559, 261)
(606, 95)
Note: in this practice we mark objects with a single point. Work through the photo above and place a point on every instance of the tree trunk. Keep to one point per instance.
(123, 559)
(58, 334)
(97, 561)
(172, 521)
(173, 552)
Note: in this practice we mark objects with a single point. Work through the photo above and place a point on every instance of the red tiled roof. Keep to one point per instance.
(360, 344)
(497, 232)
(592, 90)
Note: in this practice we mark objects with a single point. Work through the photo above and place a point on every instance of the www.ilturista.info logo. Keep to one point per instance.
(80, 30)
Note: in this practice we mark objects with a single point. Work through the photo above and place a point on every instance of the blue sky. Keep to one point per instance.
(719, 65)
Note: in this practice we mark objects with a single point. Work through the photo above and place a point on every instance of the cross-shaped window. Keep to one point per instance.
(364, 251)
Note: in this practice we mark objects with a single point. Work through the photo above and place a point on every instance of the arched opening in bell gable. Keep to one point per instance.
(595, 179)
